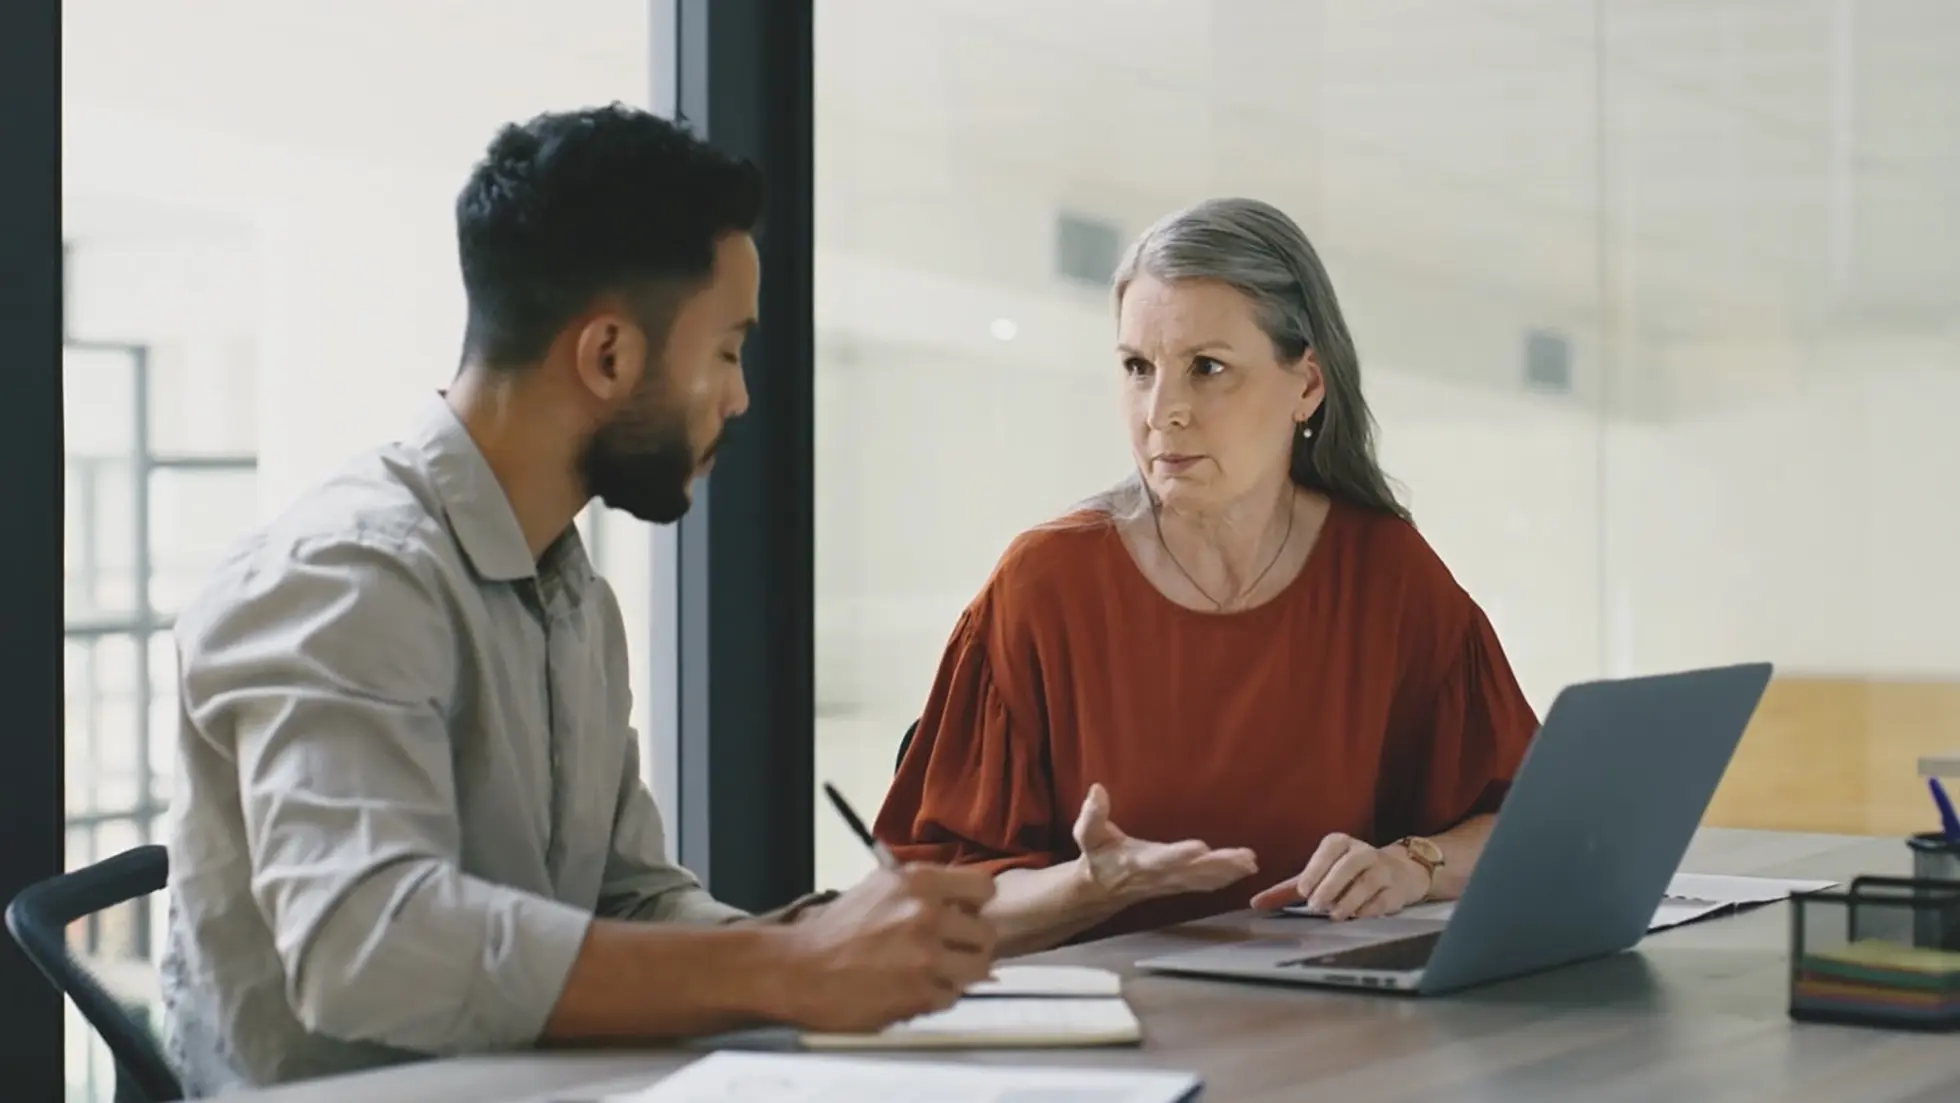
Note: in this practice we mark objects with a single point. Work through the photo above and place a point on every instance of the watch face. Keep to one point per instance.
(1426, 850)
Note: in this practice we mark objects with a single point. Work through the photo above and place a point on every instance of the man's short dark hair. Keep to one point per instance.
(572, 206)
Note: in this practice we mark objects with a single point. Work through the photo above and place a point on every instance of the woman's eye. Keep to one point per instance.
(1206, 366)
(1136, 365)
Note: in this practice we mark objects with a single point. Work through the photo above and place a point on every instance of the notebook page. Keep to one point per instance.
(729, 1077)
(1002, 1022)
(1048, 980)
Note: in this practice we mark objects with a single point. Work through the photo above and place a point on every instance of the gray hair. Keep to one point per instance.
(1256, 249)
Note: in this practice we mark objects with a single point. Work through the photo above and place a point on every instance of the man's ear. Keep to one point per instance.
(608, 355)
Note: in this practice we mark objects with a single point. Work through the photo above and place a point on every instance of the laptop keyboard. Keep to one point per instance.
(1398, 955)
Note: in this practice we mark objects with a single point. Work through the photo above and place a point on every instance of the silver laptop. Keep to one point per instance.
(1603, 808)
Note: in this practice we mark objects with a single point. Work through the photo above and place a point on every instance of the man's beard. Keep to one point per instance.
(642, 461)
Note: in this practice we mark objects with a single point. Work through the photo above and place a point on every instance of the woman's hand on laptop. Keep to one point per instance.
(1348, 879)
(1131, 870)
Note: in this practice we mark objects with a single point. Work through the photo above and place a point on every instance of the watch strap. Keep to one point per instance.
(1420, 854)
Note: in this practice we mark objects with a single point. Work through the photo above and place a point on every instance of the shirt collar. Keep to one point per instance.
(479, 512)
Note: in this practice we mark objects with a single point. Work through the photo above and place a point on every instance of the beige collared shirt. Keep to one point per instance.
(406, 781)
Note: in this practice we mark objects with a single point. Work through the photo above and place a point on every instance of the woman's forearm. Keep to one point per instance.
(1037, 909)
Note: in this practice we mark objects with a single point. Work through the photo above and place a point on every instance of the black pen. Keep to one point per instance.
(878, 851)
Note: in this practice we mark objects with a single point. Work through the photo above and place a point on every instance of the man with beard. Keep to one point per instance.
(410, 819)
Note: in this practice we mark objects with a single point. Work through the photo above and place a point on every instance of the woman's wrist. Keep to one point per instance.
(1098, 898)
(1085, 893)
(1038, 909)
(1416, 881)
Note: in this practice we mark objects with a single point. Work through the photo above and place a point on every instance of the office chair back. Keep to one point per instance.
(39, 919)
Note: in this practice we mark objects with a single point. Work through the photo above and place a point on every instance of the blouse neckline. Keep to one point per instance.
(1283, 597)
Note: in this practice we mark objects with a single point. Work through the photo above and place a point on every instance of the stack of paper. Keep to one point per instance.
(1692, 896)
(1020, 1007)
(784, 1078)
(1883, 981)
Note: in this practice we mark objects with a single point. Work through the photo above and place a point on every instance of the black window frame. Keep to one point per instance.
(743, 740)
(31, 293)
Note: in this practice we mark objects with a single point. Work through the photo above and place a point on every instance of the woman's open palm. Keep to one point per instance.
(1138, 869)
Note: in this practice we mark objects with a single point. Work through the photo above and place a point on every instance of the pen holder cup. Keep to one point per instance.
(1934, 857)
(1885, 952)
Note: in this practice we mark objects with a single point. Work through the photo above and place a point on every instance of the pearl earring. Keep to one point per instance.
(1306, 431)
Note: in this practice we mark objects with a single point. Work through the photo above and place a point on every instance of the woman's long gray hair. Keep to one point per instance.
(1255, 248)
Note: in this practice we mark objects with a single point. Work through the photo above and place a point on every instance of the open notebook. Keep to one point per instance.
(1021, 1007)
(1690, 896)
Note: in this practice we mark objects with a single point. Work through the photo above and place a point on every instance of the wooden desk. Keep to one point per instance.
(1697, 1013)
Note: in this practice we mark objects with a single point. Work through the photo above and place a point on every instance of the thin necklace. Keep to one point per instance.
(1157, 519)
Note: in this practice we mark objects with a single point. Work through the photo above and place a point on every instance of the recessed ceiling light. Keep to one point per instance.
(1004, 329)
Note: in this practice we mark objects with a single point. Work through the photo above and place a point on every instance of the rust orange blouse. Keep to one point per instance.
(1370, 697)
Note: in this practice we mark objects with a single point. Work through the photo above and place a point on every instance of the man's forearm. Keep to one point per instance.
(653, 982)
(1036, 909)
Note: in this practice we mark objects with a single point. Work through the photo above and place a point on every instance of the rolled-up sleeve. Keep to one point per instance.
(329, 680)
(641, 882)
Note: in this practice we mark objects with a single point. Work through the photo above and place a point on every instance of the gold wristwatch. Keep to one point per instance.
(1425, 854)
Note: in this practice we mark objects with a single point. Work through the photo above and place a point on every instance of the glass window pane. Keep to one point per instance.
(119, 930)
(82, 1054)
(101, 760)
(99, 525)
(1780, 486)
(204, 390)
(79, 850)
(80, 695)
(1663, 354)
(98, 409)
(195, 515)
(163, 719)
(975, 188)
(99, 442)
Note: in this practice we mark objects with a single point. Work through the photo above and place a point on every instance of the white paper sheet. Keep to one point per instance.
(730, 1077)
(1690, 896)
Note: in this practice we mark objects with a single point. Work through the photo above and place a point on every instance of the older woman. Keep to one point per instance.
(1247, 647)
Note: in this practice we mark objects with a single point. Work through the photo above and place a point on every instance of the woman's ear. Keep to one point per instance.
(1313, 386)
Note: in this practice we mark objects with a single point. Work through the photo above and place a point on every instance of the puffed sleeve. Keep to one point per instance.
(973, 787)
(1454, 748)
